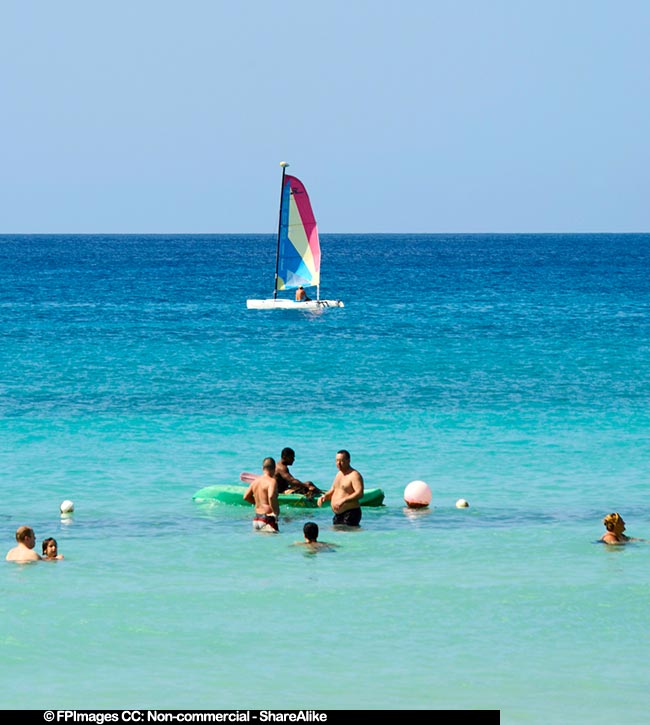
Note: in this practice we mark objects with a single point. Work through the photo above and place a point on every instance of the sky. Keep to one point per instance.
(419, 116)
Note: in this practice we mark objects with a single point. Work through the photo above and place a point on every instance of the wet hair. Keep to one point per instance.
(343, 452)
(268, 463)
(46, 542)
(310, 530)
(611, 520)
(286, 452)
(22, 532)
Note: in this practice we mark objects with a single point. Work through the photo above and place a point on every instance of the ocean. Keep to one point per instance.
(509, 370)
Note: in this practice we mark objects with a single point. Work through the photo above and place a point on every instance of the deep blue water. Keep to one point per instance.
(485, 322)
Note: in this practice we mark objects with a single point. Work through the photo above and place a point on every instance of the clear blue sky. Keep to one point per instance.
(412, 116)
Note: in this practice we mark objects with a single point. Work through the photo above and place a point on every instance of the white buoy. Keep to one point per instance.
(417, 494)
(67, 507)
(461, 504)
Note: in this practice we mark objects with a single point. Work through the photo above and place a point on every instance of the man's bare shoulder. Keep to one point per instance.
(316, 545)
(269, 483)
(354, 476)
(17, 554)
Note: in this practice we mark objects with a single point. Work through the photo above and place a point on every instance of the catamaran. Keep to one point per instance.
(297, 258)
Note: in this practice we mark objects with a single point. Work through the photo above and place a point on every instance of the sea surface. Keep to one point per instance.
(509, 370)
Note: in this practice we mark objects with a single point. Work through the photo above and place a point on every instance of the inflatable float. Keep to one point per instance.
(235, 495)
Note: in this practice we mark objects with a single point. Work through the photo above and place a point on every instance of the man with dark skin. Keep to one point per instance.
(288, 483)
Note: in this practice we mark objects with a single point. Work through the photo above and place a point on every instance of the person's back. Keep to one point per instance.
(263, 494)
(24, 550)
(310, 532)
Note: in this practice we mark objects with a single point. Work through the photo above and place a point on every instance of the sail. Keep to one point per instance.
(298, 245)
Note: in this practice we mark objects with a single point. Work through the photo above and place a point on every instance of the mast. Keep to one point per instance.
(284, 165)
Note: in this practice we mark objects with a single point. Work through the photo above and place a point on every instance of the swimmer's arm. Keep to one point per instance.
(248, 495)
(273, 499)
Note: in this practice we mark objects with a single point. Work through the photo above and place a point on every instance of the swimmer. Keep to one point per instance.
(24, 551)
(615, 527)
(51, 549)
(263, 494)
(310, 532)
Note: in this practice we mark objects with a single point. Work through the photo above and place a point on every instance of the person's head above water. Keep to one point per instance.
(288, 455)
(613, 522)
(50, 548)
(310, 530)
(25, 535)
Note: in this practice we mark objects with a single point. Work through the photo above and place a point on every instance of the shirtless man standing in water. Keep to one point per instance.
(345, 493)
(263, 494)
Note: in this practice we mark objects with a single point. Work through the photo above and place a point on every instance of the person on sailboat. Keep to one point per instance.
(301, 295)
(288, 483)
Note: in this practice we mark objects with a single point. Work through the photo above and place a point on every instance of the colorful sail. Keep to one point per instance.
(298, 245)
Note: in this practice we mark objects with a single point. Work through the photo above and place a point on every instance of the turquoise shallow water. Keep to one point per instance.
(509, 370)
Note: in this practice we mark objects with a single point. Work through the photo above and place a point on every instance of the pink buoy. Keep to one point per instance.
(417, 495)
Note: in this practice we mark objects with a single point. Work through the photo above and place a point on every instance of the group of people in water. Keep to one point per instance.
(344, 494)
(24, 549)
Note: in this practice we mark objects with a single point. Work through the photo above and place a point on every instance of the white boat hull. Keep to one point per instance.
(280, 304)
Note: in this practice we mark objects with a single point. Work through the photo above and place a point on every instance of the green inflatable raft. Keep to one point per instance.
(235, 495)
